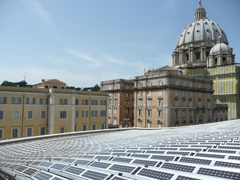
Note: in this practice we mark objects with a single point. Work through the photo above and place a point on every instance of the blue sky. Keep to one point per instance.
(83, 42)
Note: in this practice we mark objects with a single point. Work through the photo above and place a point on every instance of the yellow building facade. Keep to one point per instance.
(30, 111)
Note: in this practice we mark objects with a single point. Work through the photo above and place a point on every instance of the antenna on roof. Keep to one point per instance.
(24, 76)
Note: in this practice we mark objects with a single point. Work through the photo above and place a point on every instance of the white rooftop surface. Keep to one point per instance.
(208, 151)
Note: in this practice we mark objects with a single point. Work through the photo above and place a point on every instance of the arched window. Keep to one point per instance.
(176, 123)
(149, 83)
(139, 123)
(115, 87)
(191, 122)
(159, 122)
(198, 55)
(184, 123)
(216, 61)
(149, 122)
(224, 60)
(140, 85)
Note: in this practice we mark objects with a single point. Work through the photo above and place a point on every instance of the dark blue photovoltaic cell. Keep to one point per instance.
(219, 173)
(74, 170)
(155, 174)
(58, 166)
(94, 175)
(122, 168)
(47, 164)
(122, 159)
(42, 176)
(227, 164)
(210, 155)
(145, 162)
(100, 165)
(185, 178)
(195, 160)
(178, 167)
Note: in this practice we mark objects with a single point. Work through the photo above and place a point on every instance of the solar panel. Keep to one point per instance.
(227, 164)
(186, 178)
(20, 168)
(190, 149)
(178, 167)
(145, 162)
(94, 175)
(100, 164)
(162, 157)
(42, 176)
(37, 163)
(30, 171)
(118, 178)
(140, 155)
(178, 152)
(219, 173)
(58, 166)
(119, 154)
(121, 168)
(82, 162)
(195, 160)
(46, 164)
(155, 152)
(210, 155)
(102, 157)
(221, 151)
(69, 160)
(228, 147)
(74, 170)
(122, 159)
(155, 174)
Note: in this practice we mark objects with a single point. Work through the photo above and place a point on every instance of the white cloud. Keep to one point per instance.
(37, 9)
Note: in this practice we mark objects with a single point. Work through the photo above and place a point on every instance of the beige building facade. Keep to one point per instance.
(31, 111)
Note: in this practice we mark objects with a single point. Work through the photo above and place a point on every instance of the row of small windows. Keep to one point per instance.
(116, 87)
(42, 130)
(149, 123)
(63, 101)
(62, 114)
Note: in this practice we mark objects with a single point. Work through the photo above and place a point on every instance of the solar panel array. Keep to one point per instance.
(208, 151)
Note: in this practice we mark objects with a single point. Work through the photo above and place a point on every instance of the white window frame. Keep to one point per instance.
(13, 115)
(190, 94)
(44, 115)
(184, 113)
(160, 83)
(127, 95)
(160, 92)
(43, 100)
(84, 125)
(85, 102)
(176, 103)
(176, 93)
(183, 93)
(149, 93)
(17, 132)
(60, 113)
(102, 125)
(62, 128)
(160, 113)
(139, 112)
(63, 101)
(94, 102)
(2, 134)
(95, 126)
(17, 100)
(160, 102)
(149, 113)
(1, 119)
(94, 113)
(44, 130)
(149, 83)
(31, 118)
(84, 113)
(149, 102)
(140, 93)
(190, 113)
(140, 102)
(109, 110)
(30, 100)
(76, 114)
(103, 113)
(27, 128)
(115, 110)
(126, 111)
(139, 123)
(3, 100)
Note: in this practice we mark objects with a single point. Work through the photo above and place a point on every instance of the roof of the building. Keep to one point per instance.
(51, 81)
(201, 29)
(208, 151)
(166, 68)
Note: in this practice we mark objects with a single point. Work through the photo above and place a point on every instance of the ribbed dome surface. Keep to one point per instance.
(199, 30)
(220, 47)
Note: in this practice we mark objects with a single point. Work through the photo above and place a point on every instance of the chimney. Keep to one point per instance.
(43, 80)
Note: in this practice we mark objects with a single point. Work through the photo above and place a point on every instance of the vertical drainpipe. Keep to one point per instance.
(106, 126)
(47, 129)
(22, 115)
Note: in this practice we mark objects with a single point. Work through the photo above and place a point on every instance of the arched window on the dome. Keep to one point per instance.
(224, 60)
(216, 61)
(197, 55)
(187, 57)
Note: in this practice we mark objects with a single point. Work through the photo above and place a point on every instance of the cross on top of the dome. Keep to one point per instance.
(200, 11)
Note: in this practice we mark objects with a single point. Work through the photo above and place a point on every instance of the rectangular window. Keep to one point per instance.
(1, 133)
(76, 114)
(63, 114)
(109, 101)
(160, 113)
(183, 103)
(84, 127)
(110, 94)
(190, 103)
(160, 102)
(1, 115)
(149, 93)
(115, 95)
(115, 102)
(16, 100)
(199, 95)
(140, 93)
(126, 111)
(30, 100)
(42, 130)
(176, 113)
(140, 102)
(208, 95)
(176, 83)
(43, 100)
(190, 113)
(85, 102)
(109, 110)
(115, 110)
(93, 126)
(200, 113)
(190, 94)
(30, 114)
(127, 87)
(160, 93)
(199, 103)
(76, 101)
(102, 126)
(84, 113)
(208, 103)
(15, 115)
(29, 131)
(149, 113)
(183, 113)
(63, 101)
(183, 93)
(149, 102)
(62, 129)
(176, 103)
(94, 113)
(94, 102)
(103, 113)
(126, 95)
(127, 103)
(43, 114)
(199, 85)
(176, 93)
(140, 112)
(190, 84)
(209, 112)
(184, 84)
(14, 132)
(103, 102)
(3, 100)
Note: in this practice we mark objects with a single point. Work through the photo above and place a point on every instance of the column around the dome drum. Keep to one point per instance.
(203, 54)
(191, 53)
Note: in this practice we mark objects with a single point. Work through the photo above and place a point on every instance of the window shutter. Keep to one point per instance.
(33, 100)
(27, 100)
